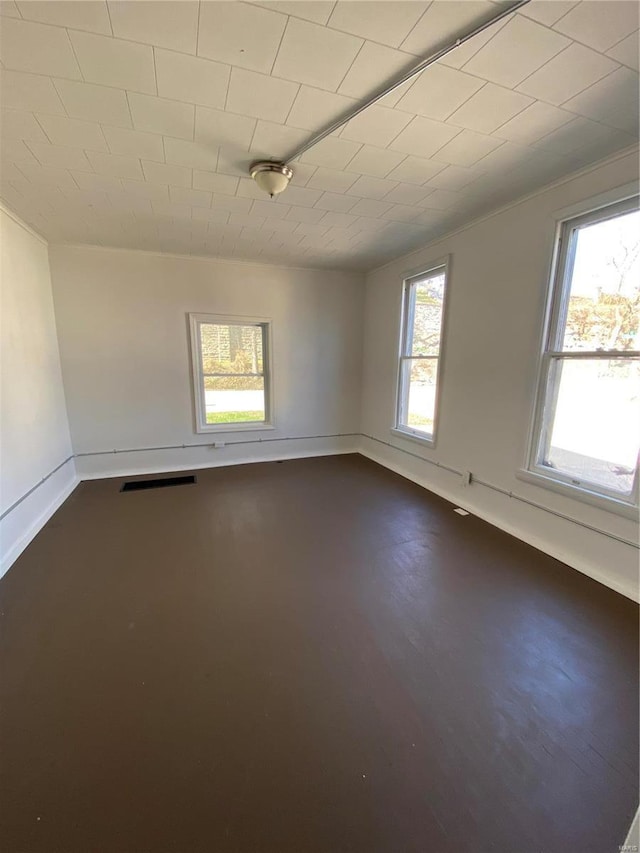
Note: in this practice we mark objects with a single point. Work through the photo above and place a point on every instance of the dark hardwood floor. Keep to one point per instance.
(313, 656)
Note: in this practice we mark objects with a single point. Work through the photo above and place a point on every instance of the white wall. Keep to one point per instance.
(122, 321)
(34, 432)
(498, 284)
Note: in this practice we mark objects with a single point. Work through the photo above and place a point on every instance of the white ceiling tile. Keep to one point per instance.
(376, 126)
(340, 221)
(269, 208)
(367, 187)
(439, 91)
(613, 101)
(335, 202)
(129, 203)
(259, 96)
(225, 184)
(89, 15)
(282, 226)
(407, 194)
(159, 173)
(73, 132)
(197, 155)
(37, 48)
(567, 74)
(16, 124)
(331, 152)
(203, 214)
(600, 24)
(459, 56)
(533, 123)
(246, 219)
(401, 213)
(9, 8)
(304, 52)
(301, 196)
(377, 162)
(310, 230)
(29, 92)
(444, 21)
(386, 23)
(190, 79)
(331, 180)
(301, 173)
(135, 142)
(442, 200)
(569, 138)
(317, 11)
(233, 162)
(117, 165)
(231, 204)
(370, 207)
(423, 137)
(159, 115)
(16, 151)
(627, 51)
(194, 198)
(314, 109)
(276, 141)
(374, 66)
(169, 24)
(240, 34)
(547, 11)
(467, 148)
(515, 52)
(94, 103)
(453, 178)
(415, 170)
(247, 188)
(170, 211)
(143, 189)
(113, 62)
(304, 214)
(225, 130)
(490, 108)
(59, 156)
(96, 183)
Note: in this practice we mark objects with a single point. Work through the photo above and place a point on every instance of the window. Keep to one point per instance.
(230, 372)
(420, 346)
(585, 433)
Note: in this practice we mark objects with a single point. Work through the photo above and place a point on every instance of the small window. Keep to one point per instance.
(585, 433)
(420, 352)
(230, 372)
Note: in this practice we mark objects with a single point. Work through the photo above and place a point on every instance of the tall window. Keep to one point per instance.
(420, 349)
(230, 372)
(587, 426)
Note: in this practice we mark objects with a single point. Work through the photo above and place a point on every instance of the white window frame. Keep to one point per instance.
(404, 355)
(201, 425)
(598, 210)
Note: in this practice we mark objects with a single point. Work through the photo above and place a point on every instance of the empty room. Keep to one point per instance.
(319, 426)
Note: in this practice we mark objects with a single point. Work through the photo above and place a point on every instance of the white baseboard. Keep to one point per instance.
(453, 495)
(57, 491)
(135, 463)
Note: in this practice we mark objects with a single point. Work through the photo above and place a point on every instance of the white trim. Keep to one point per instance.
(579, 493)
(22, 223)
(200, 424)
(499, 522)
(36, 526)
(565, 179)
(408, 433)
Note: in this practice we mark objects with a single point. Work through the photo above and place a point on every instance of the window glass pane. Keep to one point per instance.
(428, 297)
(421, 405)
(231, 348)
(593, 418)
(234, 399)
(604, 291)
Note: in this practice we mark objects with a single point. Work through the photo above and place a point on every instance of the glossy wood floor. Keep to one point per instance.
(315, 656)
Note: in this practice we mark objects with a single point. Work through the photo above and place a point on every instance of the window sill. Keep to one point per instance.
(238, 427)
(414, 436)
(579, 493)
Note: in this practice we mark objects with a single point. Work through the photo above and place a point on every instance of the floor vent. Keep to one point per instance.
(137, 485)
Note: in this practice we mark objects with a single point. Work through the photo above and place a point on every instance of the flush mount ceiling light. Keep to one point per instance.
(271, 176)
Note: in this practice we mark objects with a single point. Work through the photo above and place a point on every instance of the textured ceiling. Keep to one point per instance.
(133, 123)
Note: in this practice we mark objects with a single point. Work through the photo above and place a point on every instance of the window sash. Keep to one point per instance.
(199, 374)
(406, 358)
(553, 354)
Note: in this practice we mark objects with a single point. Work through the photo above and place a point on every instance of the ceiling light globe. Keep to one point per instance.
(272, 177)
